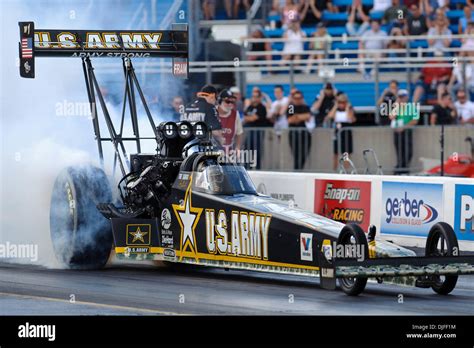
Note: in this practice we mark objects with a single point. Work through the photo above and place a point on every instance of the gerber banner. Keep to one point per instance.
(411, 208)
(344, 201)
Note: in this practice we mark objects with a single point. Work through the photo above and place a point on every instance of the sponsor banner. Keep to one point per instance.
(410, 208)
(344, 201)
(464, 212)
(278, 187)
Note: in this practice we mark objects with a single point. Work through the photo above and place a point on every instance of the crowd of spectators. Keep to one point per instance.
(448, 87)
(330, 108)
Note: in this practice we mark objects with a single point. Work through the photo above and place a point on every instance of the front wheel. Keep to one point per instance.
(441, 242)
(353, 234)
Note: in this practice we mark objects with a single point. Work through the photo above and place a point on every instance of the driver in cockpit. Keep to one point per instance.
(210, 177)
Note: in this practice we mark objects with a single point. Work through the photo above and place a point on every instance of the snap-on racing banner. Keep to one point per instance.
(343, 200)
(464, 212)
(410, 208)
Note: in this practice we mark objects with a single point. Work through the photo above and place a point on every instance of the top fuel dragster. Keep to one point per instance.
(185, 204)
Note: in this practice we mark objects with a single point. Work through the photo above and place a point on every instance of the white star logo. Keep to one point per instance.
(188, 218)
(138, 235)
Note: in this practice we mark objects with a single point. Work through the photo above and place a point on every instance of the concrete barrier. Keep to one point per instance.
(403, 208)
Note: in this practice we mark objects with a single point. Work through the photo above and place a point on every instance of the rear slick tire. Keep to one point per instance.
(82, 238)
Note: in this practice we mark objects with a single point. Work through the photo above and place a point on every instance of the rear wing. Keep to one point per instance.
(110, 44)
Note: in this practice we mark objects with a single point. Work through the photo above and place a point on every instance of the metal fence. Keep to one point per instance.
(302, 150)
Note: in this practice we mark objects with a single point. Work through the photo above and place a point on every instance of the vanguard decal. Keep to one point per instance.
(306, 246)
(464, 212)
(410, 208)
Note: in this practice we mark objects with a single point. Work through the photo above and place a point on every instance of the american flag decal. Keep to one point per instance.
(27, 48)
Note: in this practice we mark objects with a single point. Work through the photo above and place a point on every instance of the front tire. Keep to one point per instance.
(353, 234)
(441, 242)
(82, 238)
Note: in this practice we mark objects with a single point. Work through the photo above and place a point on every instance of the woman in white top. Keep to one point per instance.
(456, 82)
(294, 45)
(342, 115)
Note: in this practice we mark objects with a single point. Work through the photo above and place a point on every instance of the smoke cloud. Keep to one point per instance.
(44, 125)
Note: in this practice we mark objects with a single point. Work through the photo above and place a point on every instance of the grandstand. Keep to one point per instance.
(226, 53)
(342, 46)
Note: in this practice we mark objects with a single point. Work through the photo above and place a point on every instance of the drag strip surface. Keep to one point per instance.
(148, 290)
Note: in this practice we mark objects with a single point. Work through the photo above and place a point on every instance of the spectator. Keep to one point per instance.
(440, 28)
(323, 103)
(381, 5)
(277, 7)
(290, 13)
(403, 118)
(278, 109)
(416, 22)
(430, 7)
(387, 100)
(231, 122)
(209, 9)
(396, 44)
(464, 20)
(266, 100)
(294, 45)
(312, 11)
(298, 114)
(232, 7)
(240, 100)
(432, 78)
(464, 108)
(343, 115)
(321, 43)
(259, 47)
(457, 78)
(470, 3)
(443, 113)
(256, 116)
(395, 14)
(372, 40)
(468, 43)
(358, 21)
(177, 108)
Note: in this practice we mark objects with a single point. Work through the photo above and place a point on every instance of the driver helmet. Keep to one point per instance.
(215, 178)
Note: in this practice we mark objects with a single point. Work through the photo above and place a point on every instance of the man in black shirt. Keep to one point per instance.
(323, 103)
(204, 109)
(416, 22)
(256, 116)
(298, 113)
(443, 113)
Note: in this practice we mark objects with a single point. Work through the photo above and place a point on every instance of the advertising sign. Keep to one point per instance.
(464, 212)
(344, 201)
(410, 208)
